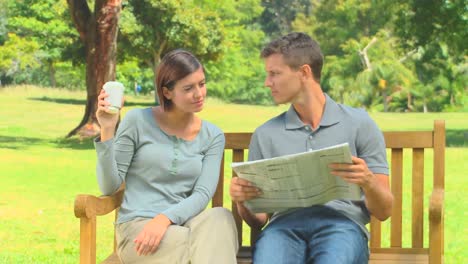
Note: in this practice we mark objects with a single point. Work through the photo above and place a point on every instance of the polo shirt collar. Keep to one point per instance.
(331, 115)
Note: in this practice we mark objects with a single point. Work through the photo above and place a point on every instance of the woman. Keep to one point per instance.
(169, 160)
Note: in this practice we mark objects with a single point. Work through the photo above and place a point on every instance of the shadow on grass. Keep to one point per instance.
(20, 143)
(59, 100)
(456, 137)
(83, 102)
(9, 142)
(75, 143)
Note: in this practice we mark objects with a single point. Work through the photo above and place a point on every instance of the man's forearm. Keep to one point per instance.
(379, 198)
(253, 220)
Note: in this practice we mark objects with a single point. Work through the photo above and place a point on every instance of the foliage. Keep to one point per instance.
(278, 15)
(333, 22)
(421, 23)
(151, 28)
(18, 57)
(420, 51)
(238, 75)
(130, 74)
(44, 23)
(414, 78)
(3, 21)
(437, 31)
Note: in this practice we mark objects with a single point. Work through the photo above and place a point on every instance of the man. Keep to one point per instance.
(334, 232)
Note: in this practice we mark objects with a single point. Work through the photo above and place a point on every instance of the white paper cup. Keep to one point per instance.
(115, 91)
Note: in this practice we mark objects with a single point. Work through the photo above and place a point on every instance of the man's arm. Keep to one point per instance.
(242, 190)
(379, 198)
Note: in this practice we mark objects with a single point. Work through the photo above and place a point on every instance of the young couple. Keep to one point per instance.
(169, 160)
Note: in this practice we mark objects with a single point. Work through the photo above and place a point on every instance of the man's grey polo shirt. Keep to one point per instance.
(287, 134)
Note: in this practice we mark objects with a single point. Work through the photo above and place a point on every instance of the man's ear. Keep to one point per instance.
(167, 93)
(306, 71)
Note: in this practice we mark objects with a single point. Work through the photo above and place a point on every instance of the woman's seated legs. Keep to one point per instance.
(209, 237)
(213, 237)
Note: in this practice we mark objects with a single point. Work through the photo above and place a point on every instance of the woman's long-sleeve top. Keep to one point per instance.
(163, 174)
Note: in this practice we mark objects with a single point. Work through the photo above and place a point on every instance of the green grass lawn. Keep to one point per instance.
(42, 172)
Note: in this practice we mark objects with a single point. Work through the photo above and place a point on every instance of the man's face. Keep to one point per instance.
(284, 82)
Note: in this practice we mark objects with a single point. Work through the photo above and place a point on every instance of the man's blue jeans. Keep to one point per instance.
(312, 235)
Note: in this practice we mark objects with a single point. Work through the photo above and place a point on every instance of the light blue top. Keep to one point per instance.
(163, 174)
(287, 134)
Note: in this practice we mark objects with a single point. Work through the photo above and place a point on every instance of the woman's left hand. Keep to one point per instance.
(148, 240)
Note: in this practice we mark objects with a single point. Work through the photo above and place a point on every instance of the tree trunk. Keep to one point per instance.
(52, 80)
(98, 32)
(385, 100)
(409, 102)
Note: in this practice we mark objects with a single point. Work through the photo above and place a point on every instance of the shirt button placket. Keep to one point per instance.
(176, 153)
(309, 139)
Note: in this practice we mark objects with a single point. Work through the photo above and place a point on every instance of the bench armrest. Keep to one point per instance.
(90, 206)
(87, 207)
(436, 226)
(436, 206)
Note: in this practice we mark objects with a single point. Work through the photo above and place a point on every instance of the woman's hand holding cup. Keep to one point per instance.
(110, 101)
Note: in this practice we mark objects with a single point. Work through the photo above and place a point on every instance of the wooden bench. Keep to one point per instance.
(386, 243)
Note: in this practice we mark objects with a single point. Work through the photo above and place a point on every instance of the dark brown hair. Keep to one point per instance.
(297, 49)
(174, 66)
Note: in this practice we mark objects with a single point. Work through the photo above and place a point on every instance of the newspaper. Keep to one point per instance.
(297, 180)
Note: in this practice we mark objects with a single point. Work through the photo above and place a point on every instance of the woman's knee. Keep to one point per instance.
(220, 215)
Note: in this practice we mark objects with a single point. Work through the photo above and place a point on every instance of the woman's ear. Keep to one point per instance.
(167, 93)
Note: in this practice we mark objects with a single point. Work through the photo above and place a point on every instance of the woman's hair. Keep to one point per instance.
(174, 66)
(297, 49)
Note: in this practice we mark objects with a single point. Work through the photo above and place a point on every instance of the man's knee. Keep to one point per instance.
(279, 246)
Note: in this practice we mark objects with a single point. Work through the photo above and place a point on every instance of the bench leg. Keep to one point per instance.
(88, 240)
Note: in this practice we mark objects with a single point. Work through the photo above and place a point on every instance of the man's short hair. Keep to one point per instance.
(297, 49)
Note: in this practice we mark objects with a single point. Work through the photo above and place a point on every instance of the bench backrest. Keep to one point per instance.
(406, 184)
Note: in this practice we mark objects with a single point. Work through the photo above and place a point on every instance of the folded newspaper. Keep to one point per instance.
(297, 180)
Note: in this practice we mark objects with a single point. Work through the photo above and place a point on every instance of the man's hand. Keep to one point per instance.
(148, 240)
(242, 190)
(357, 172)
(376, 187)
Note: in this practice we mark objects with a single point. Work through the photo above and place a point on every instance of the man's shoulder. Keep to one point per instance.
(355, 113)
(359, 118)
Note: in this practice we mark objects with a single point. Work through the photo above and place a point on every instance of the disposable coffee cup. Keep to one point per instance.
(115, 91)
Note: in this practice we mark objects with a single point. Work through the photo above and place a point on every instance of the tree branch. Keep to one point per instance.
(81, 15)
(364, 56)
(409, 54)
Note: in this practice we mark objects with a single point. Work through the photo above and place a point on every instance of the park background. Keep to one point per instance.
(403, 61)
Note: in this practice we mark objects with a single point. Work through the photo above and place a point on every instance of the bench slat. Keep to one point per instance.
(417, 195)
(375, 232)
(218, 197)
(237, 140)
(408, 139)
(237, 156)
(397, 190)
